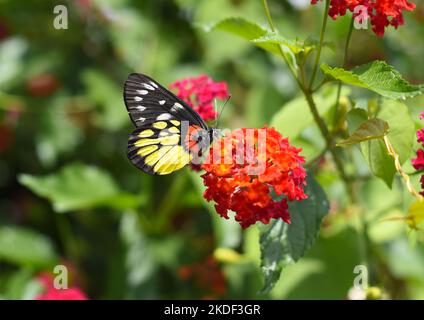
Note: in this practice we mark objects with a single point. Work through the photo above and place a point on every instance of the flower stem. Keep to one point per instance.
(321, 42)
(311, 103)
(345, 56)
(399, 169)
(286, 60)
(329, 142)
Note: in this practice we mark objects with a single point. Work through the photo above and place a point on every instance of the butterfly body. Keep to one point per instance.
(167, 129)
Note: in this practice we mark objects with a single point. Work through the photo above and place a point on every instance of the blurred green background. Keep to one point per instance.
(68, 194)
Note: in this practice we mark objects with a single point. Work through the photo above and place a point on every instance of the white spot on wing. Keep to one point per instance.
(141, 119)
(178, 105)
(137, 98)
(164, 116)
(140, 108)
(162, 102)
(154, 84)
(148, 86)
(143, 92)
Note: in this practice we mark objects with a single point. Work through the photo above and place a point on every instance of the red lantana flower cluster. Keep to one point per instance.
(258, 186)
(199, 93)
(382, 13)
(51, 293)
(418, 162)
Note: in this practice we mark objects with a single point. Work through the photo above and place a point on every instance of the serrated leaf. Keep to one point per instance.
(77, 187)
(377, 76)
(282, 244)
(25, 247)
(369, 130)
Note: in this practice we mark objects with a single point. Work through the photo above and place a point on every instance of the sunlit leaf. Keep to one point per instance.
(258, 36)
(377, 76)
(368, 130)
(401, 135)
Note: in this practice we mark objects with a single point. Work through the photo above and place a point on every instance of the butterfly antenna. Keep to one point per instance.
(222, 110)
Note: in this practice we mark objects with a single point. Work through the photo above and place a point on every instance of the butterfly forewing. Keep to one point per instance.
(146, 100)
(157, 145)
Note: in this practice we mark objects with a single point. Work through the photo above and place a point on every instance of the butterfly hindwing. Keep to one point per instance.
(158, 149)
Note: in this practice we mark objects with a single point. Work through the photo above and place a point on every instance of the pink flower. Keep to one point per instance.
(418, 162)
(51, 293)
(199, 93)
(63, 294)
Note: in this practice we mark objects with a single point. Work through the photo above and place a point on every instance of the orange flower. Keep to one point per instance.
(254, 172)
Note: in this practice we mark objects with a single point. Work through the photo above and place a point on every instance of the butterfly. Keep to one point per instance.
(168, 134)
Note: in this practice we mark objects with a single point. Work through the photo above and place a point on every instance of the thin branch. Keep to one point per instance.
(321, 42)
(399, 169)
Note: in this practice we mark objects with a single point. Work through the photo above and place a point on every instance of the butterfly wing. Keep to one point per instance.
(146, 100)
(155, 146)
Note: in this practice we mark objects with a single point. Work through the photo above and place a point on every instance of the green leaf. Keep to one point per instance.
(12, 51)
(355, 117)
(296, 47)
(140, 263)
(282, 244)
(401, 135)
(57, 134)
(240, 27)
(25, 247)
(402, 128)
(107, 95)
(377, 76)
(287, 119)
(77, 187)
(257, 35)
(22, 285)
(369, 130)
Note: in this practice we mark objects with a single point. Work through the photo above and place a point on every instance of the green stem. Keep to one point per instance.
(170, 201)
(329, 142)
(345, 56)
(67, 238)
(321, 42)
(311, 103)
(286, 60)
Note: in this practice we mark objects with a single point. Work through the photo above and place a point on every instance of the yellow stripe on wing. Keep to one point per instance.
(174, 159)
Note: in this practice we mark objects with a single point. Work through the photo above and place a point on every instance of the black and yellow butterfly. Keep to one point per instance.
(167, 129)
